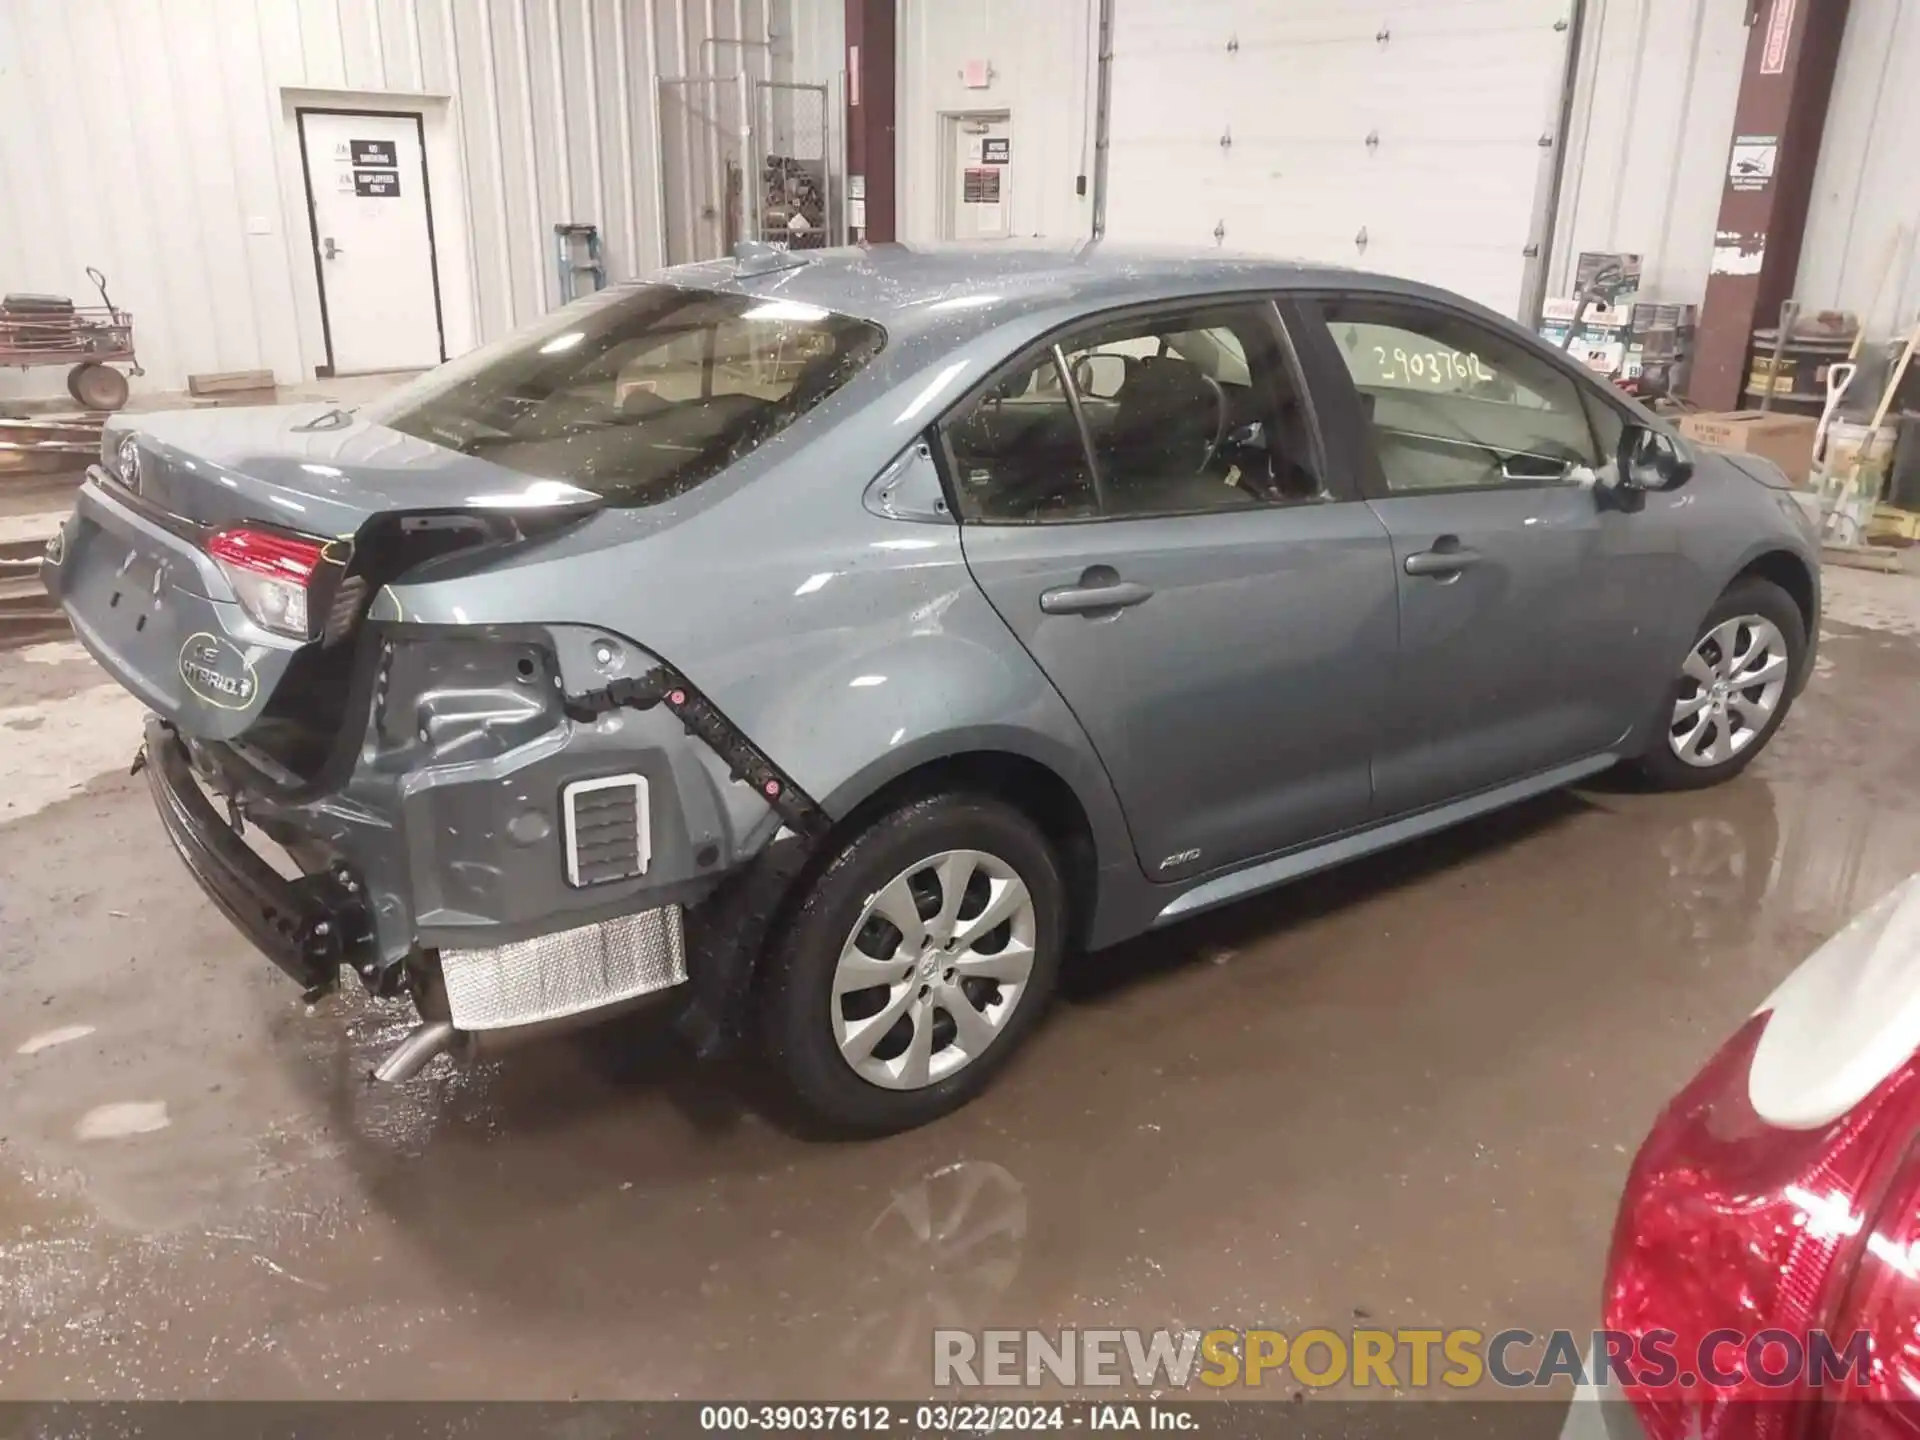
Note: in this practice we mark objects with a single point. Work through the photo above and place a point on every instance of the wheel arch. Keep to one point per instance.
(1800, 579)
(1786, 571)
(1085, 829)
(730, 931)
(1792, 574)
(1703, 578)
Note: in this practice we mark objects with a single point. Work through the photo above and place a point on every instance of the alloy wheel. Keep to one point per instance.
(1729, 689)
(933, 969)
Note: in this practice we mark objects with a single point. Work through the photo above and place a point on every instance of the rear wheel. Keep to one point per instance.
(1733, 690)
(98, 387)
(916, 964)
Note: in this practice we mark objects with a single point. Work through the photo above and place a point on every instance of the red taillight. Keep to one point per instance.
(270, 574)
(284, 557)
(1883, 1301)
(1731, 1224)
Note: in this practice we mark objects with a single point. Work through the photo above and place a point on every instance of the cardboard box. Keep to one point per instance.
(1786, 440)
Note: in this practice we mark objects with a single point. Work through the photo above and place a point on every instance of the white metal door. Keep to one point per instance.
(979, 177)
(1402, 136)
(373, 240)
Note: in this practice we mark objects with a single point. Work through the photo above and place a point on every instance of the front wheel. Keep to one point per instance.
(916, 963)
(1733, 690)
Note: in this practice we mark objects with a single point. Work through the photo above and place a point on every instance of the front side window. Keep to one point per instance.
(1454, 405)
(1169, 415)
(1017, 452)
(640, 394)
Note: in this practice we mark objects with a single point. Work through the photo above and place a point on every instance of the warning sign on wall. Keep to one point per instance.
(1754, 158)
(981, 185)
(1773, 59)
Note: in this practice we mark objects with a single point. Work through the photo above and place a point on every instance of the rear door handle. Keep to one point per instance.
(1089, 599)
(1442, 562)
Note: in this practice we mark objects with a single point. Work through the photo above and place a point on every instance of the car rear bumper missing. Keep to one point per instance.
(310, 926)
(302, 926)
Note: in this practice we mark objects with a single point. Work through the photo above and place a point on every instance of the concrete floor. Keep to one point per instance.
(1405, 1092)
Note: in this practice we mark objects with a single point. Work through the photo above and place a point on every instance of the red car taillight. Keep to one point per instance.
(1883, 1301)
(271, 575)
(1730, 1224)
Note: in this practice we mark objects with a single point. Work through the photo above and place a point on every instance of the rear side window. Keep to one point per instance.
(638, 395)
(1169, 414)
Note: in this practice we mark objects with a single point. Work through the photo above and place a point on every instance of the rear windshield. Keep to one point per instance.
(638, 394)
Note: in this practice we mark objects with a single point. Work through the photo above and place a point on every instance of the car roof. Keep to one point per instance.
(903, 286)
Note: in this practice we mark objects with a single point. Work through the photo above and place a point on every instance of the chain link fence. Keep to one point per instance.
(719, 186)
(794, 202)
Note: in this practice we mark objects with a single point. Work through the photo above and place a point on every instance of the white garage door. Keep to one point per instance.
(1394, 135)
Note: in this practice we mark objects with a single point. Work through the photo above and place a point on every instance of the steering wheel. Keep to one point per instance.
(1221, 417)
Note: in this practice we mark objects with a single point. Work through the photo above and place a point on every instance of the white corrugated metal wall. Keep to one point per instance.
(1042, 57)
(151, 138)
(1867, 185)
(148, 137)
(1651, 123)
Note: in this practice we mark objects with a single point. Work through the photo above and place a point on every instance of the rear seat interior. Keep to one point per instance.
(1171, 438)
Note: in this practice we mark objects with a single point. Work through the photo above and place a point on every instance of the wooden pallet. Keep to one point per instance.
(1863, 557)
(1892, 523)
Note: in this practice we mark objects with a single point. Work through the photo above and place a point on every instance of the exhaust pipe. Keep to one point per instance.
(410, 1056)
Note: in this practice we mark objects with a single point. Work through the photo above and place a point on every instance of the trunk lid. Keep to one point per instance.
(316, 469)
(131, 566)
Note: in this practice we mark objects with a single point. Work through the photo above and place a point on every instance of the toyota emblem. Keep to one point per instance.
(129, 466)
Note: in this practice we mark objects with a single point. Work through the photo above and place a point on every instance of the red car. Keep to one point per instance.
(1766, 1258)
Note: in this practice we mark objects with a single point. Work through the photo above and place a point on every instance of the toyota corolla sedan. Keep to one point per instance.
(835, 640)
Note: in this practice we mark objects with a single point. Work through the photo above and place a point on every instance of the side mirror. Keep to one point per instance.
(1099, 376)
(1654, 460)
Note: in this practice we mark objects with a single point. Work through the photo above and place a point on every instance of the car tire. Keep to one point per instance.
(1710, 726)
(822, 1031)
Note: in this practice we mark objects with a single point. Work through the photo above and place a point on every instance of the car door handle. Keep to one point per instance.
(1442, 562)
(1089, 599)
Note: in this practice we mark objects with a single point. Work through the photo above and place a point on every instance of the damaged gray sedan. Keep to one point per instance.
(831, 642)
